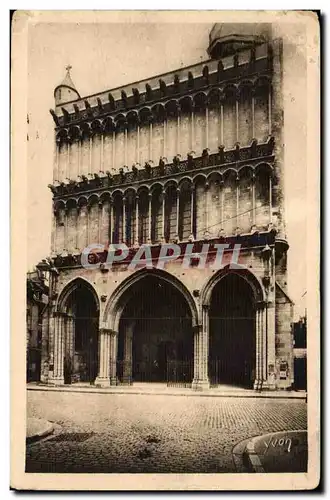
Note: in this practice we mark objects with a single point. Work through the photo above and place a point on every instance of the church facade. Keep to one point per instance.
(194, 158)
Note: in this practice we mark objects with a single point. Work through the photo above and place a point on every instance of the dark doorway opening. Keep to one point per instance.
(232, 349)
(81, 343)
(155, 334)
(300, 374)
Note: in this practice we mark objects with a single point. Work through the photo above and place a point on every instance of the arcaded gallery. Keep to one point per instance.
(191, 157)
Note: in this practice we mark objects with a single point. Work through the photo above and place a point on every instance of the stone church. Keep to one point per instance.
(194, 156)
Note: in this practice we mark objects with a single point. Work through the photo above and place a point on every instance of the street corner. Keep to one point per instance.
(37, 428)
(285, 451)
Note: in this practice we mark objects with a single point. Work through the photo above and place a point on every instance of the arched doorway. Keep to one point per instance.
(81, 335)
(155, 342)
(232, 340)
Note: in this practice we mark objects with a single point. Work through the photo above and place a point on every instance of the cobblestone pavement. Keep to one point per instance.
(148, 433)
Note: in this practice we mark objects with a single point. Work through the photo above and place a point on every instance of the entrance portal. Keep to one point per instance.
(232, 348)
(155, 334)
(81, 341)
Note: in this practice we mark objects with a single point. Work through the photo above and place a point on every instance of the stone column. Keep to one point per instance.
(253, 106)
(44, 347)
(203, 353)
(57, 378)
(221, 122)
(196, 356)
(178, 136)
(222, 195)
(114, 149)
(270, 110)
(150, 141)
(128, 342)
(258, 376)
(192, 202)
(87, 224)
(65, 246)
(237, 201)
(149, 215)
(237, 120)
(68, 346)
(270, 345)
(111, 221)
(103, 377)
(164, 138)
(136, 219)
(270, 198)
(177, 211)
(207, 205)
(125, 145)
(102, 154)
(262, 334)
(100, 220)
(206, 126)
(253, 198)
(113, 340)
(124, 220)
(90, 169)
(51, 339)
(163, 213)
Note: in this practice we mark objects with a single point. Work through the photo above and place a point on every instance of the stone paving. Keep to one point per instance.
(150, 433)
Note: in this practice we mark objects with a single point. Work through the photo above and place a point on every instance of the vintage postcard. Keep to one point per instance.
(165, 250)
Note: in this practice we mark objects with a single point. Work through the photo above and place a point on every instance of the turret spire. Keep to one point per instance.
(66, 91)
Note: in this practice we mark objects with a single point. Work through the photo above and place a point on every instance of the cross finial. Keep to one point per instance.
(68, 68)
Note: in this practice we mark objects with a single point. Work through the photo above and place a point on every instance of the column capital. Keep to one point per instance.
(105, 331)
(59, 314)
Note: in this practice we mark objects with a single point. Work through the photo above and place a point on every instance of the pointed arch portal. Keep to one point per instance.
(78, 319)
(232, 335)
(155, 338)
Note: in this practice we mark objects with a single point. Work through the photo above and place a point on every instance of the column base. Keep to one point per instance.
(200, 385)
(127, 380)
(102, 382)
(263, 385)
(113, 381)
(55, 380)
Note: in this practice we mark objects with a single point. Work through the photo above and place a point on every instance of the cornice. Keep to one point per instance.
(126, 99)
(254, 241)
(235, 159)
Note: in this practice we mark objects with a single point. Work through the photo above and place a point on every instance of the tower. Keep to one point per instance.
(66, 91)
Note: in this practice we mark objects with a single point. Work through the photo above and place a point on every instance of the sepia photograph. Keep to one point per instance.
(168, 322)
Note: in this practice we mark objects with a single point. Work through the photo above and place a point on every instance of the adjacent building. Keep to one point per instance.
(36, 302)
(195, 157)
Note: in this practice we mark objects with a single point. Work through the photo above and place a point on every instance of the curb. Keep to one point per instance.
(253, 457)
(46, 431)
(189, 393)
(251, 454)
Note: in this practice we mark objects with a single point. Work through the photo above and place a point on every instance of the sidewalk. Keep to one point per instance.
(285, 451)
(164, 390)
(37, 428)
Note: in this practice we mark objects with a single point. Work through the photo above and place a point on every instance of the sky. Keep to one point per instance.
(107, 55)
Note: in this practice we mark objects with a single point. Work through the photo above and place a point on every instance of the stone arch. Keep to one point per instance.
(230, 305)
(69, 288)
(117, 301)
(77, 333)
(248, 276)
